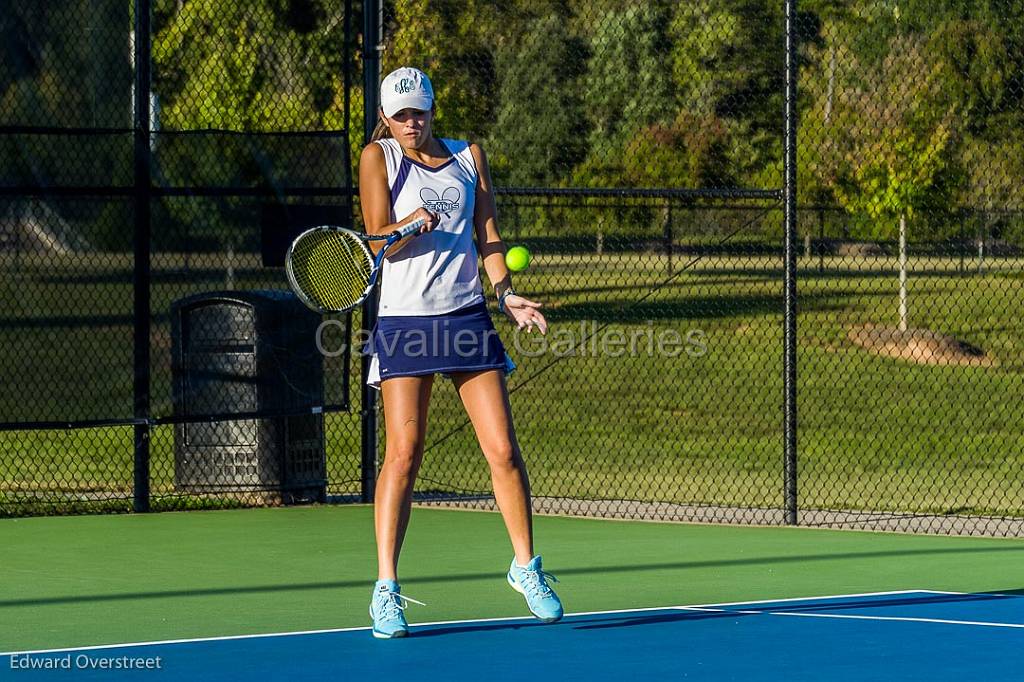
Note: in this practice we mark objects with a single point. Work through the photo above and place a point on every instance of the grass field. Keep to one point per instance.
(700, 428)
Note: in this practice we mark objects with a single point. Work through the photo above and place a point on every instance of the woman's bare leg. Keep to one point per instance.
(485, 398)
(405, 418)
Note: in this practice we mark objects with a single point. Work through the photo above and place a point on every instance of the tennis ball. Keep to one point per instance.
(517, 258)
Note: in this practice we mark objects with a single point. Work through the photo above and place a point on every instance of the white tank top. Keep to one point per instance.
(436, 272)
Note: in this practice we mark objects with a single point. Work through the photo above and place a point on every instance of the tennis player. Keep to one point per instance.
(432, 319)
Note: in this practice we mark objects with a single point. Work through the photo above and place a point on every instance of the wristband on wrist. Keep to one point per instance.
(501, 299)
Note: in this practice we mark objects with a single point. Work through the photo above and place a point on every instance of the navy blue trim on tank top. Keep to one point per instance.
(403, 175)
(432, 169)
(406, 164)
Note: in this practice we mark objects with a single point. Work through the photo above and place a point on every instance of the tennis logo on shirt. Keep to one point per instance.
(448, 201)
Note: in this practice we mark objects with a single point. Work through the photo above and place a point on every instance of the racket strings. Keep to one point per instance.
(331, 268)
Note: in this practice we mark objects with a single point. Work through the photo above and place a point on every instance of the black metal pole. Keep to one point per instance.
(141, 276)
(373, 21)
(962, 246)
(667, 233)
(789, 297)
(821, 240)
(347, 70)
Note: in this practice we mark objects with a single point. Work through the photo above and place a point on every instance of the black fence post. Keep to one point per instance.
(373, 21)
(667, 234)
(962, 242)
(141, 275)
(821, 239)
(789, 200)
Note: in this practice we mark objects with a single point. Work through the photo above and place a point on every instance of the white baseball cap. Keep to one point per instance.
(406, 88)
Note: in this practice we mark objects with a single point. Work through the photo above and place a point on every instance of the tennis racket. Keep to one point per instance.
(331, 269)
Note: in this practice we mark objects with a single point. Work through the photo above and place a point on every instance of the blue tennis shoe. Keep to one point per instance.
(387, 609)
(531, 582)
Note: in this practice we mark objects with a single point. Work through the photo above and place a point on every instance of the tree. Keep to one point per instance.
(821, 79)
(451, 40)
(67, 64)
(724, 73)
(258, 66)
(984, 42)
(539, 131)
(625, 91)
(638, 133)
(264, 65)
(900, 140)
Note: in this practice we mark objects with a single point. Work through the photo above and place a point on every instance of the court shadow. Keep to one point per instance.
(806, 606)
(562, 572)
(578, 622)
(667, 616)
(695, 307)
(1015, 592)
(837, 273)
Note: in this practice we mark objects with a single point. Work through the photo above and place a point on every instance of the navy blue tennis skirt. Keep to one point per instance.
(461, 341)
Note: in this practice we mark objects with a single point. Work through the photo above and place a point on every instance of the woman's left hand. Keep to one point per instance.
(525, 313)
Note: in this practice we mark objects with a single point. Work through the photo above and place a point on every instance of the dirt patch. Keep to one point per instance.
(922, 346)
(859, 249)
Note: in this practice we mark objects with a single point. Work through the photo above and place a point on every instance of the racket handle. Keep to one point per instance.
(411, 228)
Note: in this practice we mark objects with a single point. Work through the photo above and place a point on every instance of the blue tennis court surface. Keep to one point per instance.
(893, 635)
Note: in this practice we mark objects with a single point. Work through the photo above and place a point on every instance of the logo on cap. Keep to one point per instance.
(406, 88)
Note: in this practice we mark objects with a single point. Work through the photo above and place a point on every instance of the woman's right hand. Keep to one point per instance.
(430, 220)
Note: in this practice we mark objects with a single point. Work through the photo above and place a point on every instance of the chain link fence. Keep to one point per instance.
(909, 366)
(154, 167)
(639, 152)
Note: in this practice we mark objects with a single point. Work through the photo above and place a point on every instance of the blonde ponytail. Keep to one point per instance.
(380, 131)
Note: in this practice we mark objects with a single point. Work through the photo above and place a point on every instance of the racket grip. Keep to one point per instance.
(411, 228)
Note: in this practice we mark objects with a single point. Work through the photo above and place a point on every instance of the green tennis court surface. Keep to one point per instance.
(93, 580)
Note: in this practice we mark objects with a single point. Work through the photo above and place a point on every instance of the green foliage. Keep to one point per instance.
(899, 133)
(914, 105)
(724, 70)
(259, 65)
(626, 87)
(640, 135)
(539, 133)
(451, 41)
(67, 63)
(689, 152)
(995, 171)
(907, 105)
(984, 42)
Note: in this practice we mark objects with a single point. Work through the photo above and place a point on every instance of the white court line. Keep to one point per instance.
(695, 607)
(847, 616)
